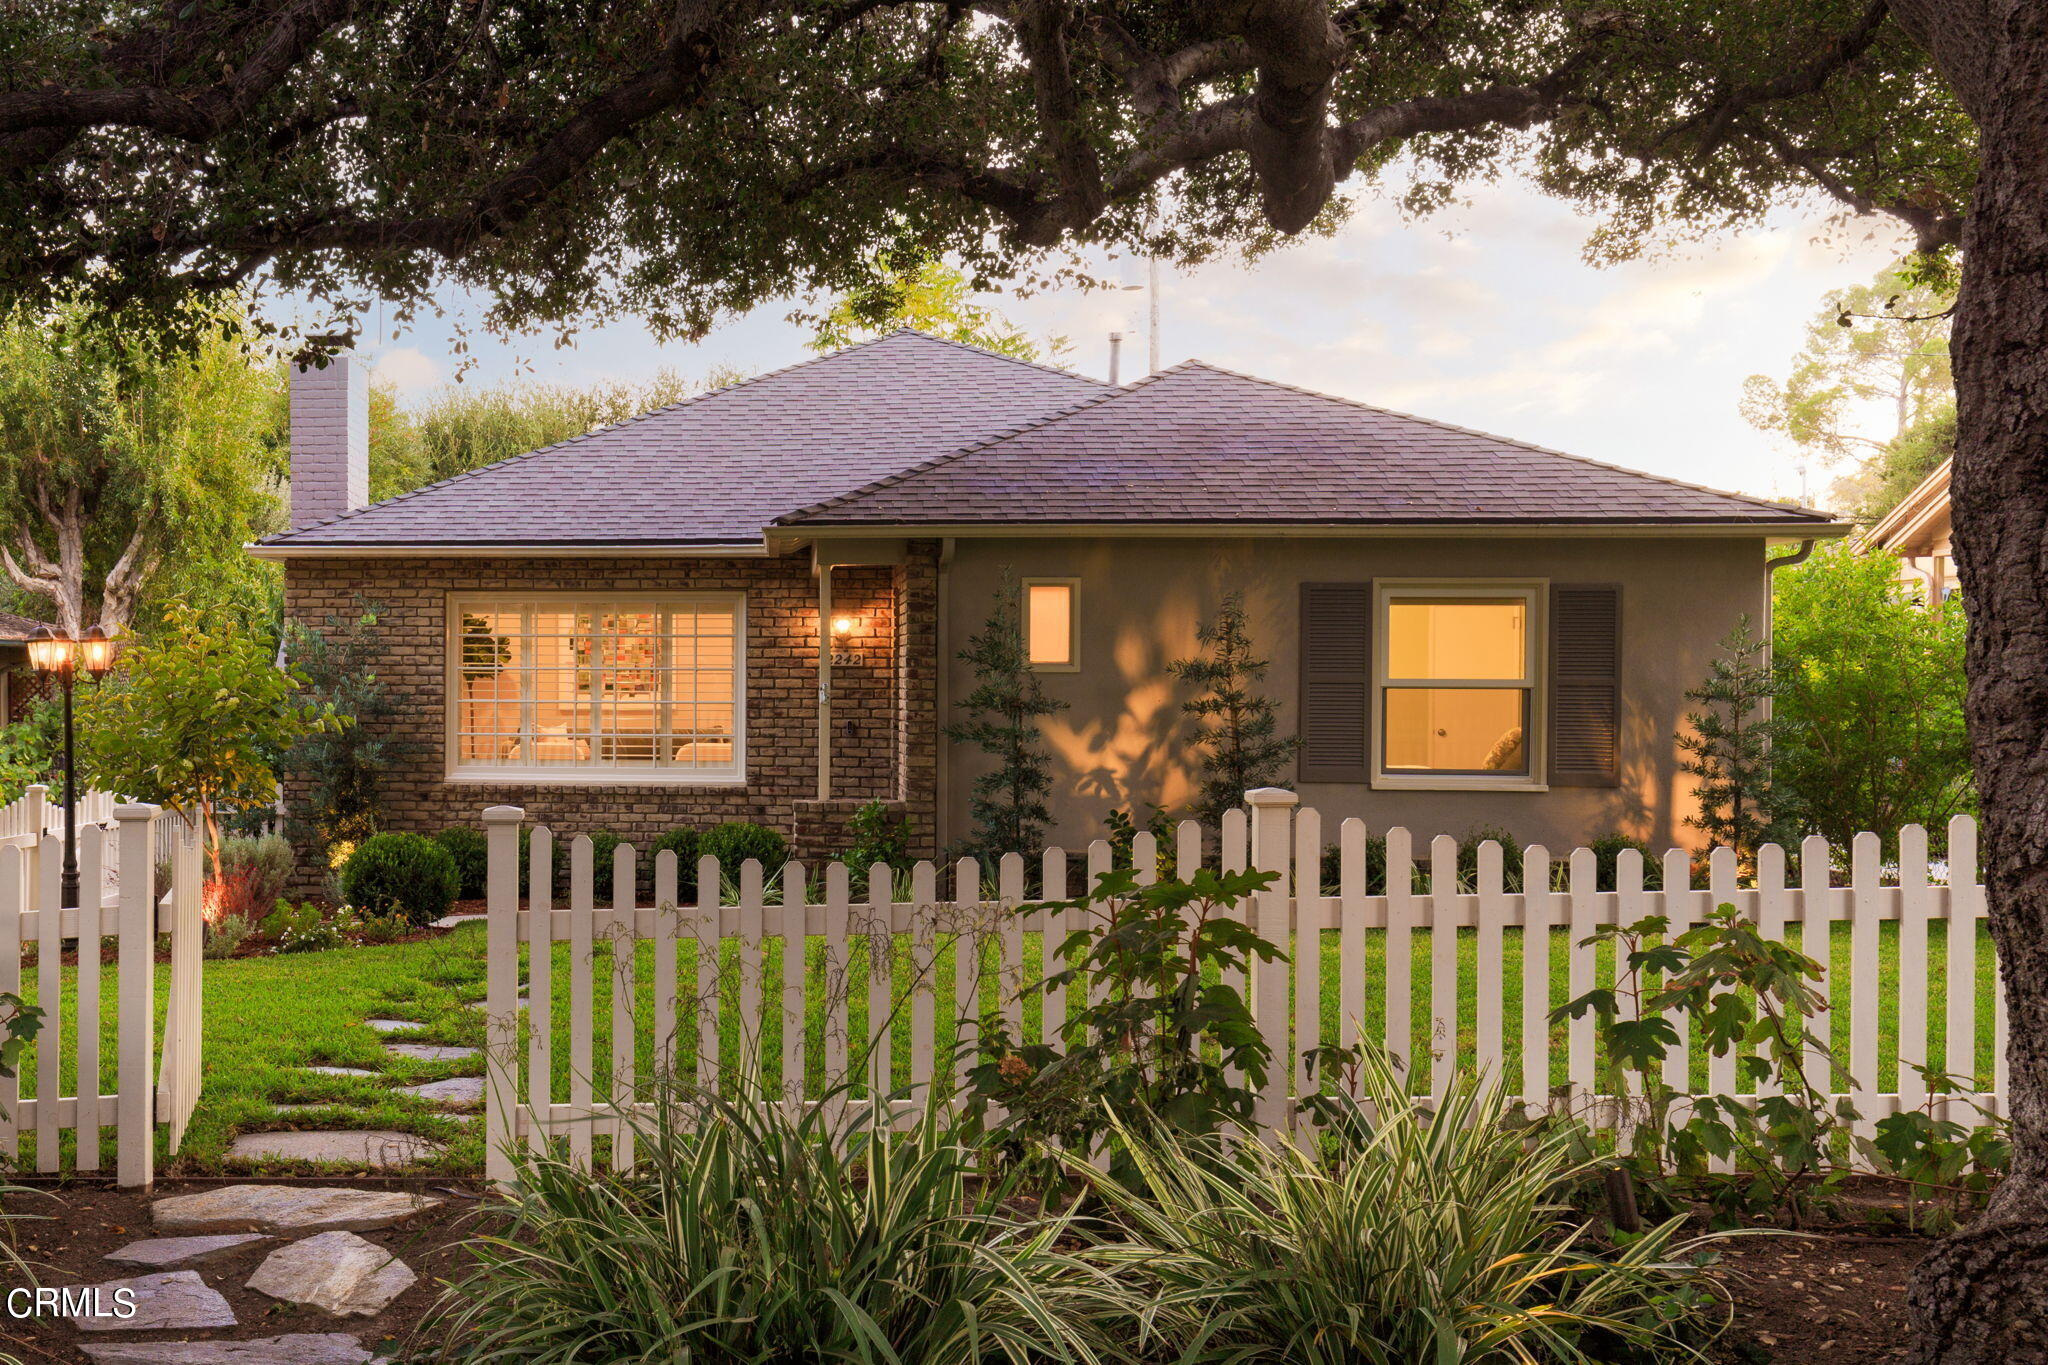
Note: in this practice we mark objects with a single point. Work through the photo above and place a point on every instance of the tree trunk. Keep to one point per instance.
(1981, 1297)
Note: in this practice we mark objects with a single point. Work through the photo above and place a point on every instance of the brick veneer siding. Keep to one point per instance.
(883, 711)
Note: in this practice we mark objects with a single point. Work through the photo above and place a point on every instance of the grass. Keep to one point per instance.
(266, 1018)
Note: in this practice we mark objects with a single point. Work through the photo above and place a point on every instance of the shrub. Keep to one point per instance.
(1607, 854)
(226, 936)
(1422, 1230)
(301, 929)
(471, 850)
(682, 841)
(877, 837)
(745, 1232)
(408, 873)
(253, 874)
(735, 841)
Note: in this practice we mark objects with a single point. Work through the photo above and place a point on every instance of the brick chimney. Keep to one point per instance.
(330, 439)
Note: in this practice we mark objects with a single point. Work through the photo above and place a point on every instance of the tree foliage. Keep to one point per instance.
(1234, 726)
(1871, 391)
(1726, 745)
(1002, 718)
(1869, 700)
(920, 291)
(683, 163)
(119, 463)
(192, 721)
(341, 765)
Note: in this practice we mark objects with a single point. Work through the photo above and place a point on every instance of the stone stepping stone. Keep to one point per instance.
(174, 1250)
(520, 1004)
(176, 1301)
(450, 921)
(286, 1208)
(454, 1090)
(338, 1271)
(339, 1071)
(297, 1348)
(393, 1025)
(429, 1052)
(358, 1147)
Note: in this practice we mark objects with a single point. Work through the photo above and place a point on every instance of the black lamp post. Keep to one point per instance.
(61, 657)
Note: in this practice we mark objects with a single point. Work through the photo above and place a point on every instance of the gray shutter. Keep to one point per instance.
(1336, 682)
(1585, 685)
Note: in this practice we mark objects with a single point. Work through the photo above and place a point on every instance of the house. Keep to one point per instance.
(1918, 531)
(21, 687)
(751, 604)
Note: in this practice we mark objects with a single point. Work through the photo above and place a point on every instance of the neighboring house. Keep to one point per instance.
(751, 604)
(1917, 531)
(20, 686)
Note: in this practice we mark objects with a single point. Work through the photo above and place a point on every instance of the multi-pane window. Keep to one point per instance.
(629, 685)
(1457, 681)
(1050, 637)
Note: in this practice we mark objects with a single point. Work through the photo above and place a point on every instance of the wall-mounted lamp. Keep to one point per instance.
(842, 633)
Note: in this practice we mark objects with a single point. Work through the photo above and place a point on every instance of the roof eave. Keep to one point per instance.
(1775, 529)
(510, 550)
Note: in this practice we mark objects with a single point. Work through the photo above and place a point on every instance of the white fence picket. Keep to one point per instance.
(1443, 965)
(1539, 914)
(624, 942)
(540, 982)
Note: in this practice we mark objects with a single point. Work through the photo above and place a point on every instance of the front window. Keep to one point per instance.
(1050, 634)
(1457, 683)
(636, 686)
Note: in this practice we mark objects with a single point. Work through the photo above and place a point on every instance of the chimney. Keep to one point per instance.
(1116, 355)
(330, 439)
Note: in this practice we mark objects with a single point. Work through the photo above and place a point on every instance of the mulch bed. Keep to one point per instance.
(1836, 1295)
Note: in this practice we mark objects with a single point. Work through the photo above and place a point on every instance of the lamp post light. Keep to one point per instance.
(61, 657)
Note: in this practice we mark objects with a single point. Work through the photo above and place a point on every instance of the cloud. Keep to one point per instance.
(407, 369)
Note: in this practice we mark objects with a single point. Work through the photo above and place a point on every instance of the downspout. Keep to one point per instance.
(942, 697)
(1771, 567)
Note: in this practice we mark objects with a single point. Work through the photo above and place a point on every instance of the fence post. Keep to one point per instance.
(501, 990)
(1271, 845)
(137, 1018)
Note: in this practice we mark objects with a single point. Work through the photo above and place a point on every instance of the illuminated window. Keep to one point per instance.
(633, 686)
(1049, 623)
(1457, 684)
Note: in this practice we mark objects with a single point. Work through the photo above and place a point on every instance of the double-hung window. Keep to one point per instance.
(1456, 682)
(627, 687)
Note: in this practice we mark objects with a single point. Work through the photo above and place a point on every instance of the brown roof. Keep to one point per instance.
(16, 628)
(717, 468)
(1203, 445)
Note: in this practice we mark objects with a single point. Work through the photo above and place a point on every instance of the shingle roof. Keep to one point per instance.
(13, 627)
(1199, 444)
(716, 469)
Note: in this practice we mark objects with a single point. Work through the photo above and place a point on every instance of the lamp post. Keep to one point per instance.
(60, 656)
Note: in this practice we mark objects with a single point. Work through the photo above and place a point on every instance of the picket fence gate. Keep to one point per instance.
(1291, 999)
(150, 1088)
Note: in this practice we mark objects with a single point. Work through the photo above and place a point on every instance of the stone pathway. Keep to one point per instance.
(332, 1269)
(379, 1147)
(456, 1090)
(430, 1052)
(340, 1071)
(392, 1025)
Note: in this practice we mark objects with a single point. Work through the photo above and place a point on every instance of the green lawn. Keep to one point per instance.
(268, 1017)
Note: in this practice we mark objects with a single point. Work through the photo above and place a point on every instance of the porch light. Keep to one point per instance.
(49, 652)
(97, 652)
(842, 626)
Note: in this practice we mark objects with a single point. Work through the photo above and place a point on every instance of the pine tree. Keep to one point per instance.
(1235, 728)
(1729, 747)
(1003, 711)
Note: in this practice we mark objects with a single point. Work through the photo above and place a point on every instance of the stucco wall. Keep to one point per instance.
(1122, 740)
(883, 714)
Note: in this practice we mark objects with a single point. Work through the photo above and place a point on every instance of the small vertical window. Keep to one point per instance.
(1049, 623)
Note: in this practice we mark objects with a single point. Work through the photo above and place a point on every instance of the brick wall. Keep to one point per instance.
(884, 704)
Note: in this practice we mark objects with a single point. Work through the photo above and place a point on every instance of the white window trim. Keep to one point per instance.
(1073, 587)
(1536, 591)
(456, 603)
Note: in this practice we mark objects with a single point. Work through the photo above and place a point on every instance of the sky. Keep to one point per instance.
(1485, 315)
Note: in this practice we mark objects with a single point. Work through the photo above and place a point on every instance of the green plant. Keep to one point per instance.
(1121, 829)
(735, 841)
(409, 873)
(1420, 1230)
(1947, 1166)
(339, 770)
(746, 1233)
(379, 928)
(20, 1022)
(1607, 850)
(876, 836)
(1740, 993)
(1869, 704)
(472, 854)
(1234, 728)
(1159, 1030)
(31, 750)
(1007, 802)
(253, 873)
(192, 719)
(683, 842)
(225, 936)
(301, 929)
(1727, 746)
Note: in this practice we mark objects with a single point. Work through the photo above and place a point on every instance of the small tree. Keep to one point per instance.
(1003, 711)
(1235, 728)
(192, 719)
(341, 765)
(1728, 747)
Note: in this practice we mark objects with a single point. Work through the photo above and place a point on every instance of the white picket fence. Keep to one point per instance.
(122, 852)
(1439, 996)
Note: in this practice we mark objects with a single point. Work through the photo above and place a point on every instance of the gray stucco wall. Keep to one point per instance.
(1122, 740)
